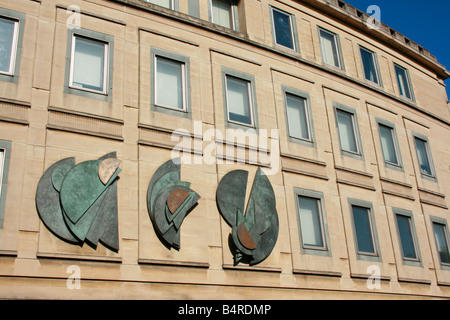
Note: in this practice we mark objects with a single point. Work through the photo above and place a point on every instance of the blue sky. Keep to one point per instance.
(424, 22)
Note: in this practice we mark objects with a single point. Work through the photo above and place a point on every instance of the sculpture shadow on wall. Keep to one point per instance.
(78, 203)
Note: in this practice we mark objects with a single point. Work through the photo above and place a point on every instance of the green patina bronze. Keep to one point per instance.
(165, 182)
(254, 234)
(76, 205)
(82, 188)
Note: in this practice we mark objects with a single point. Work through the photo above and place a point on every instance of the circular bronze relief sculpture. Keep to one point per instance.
(169, 201)
(254, 234)
(78, 203)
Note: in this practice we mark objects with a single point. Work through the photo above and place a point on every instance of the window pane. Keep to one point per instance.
(403, 82)
(363, 229)
(310, 224)
(329, 48)
(2, 163)
(422, 155)
(169, 83)
(297, 117)
(283, 29)
(89, 64)
(346, 131)
(7, 28)
(370, 69)
(387, 144)
(162, 3)
(222, 13)
(238, 101)
(406, 237)
(440, 235)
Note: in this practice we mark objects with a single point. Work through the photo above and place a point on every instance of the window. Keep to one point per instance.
(389, 145)
(9, 33)
(224, 13)
(5, 151)
(89, 64)
(442, 241)
(297, 114)
(283, 29)
(11, 38)
(2, 163)
(424, 157)
(370, 65)
(239, 100)
(348, 131)
(364, 230)
(310, 217)
(407, 235)
(404, 82)
(312, 223)
(329, 45)
(170, 4)
(170, 83)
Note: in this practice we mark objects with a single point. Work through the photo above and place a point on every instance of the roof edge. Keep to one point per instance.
(358, 19)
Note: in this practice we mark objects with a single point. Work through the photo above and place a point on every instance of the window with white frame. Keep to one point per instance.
(424, 156)
(389, 144)
(224, 13)
(5, 154)
(406, 234)
(364, 230)
(170, 88)
(297, 114)
(441, 238)
(239, 100)
(283, 28)
(404, 82)
(2, 164)
(329, 45)
(170, 4)
(9, 33)
(311, 222)
(348, 132)
(370, 65)
(89, 64)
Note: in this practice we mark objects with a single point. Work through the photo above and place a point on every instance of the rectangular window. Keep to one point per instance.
(370, 65)
(283, 29)
(404, 83)
(297, 117)
(89, 64)
(407, 238)
(9, 32)
(2, 164)
(5, 154)
(388, 144)
(170, 83)
(330, 49)
(363, 229)
(423, 156)
(442, 242)
(223, 13)
(347, 131)
(239, 100)
(163, 3)
(311, 225)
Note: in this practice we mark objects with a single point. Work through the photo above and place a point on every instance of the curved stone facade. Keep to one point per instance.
(336, 131)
